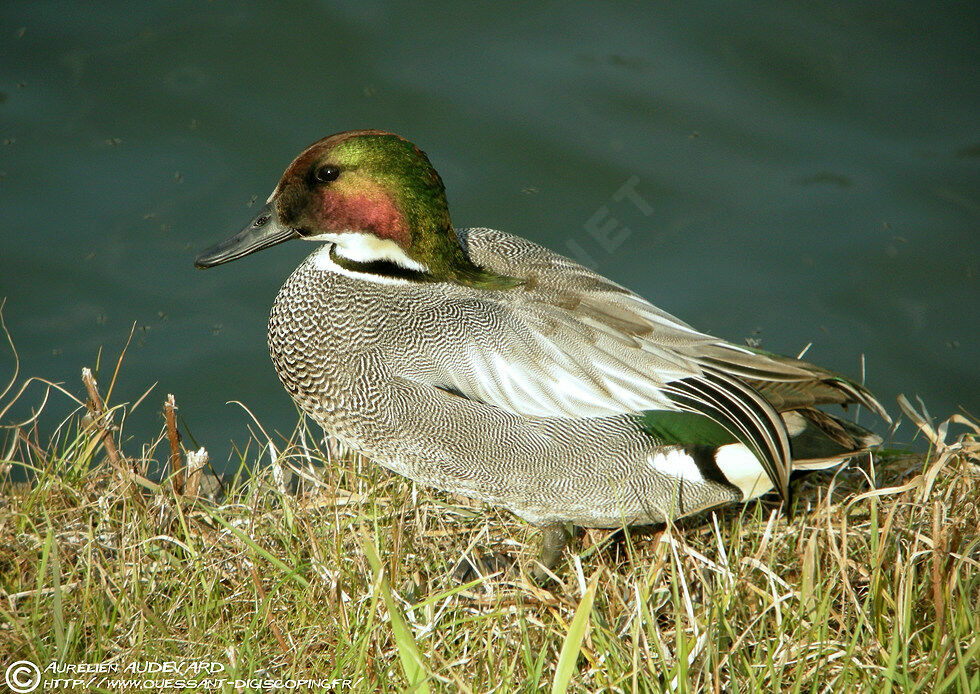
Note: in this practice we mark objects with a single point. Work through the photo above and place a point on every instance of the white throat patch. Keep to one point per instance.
(362, 247)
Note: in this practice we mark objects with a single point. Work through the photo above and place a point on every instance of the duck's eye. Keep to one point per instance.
(326, 173)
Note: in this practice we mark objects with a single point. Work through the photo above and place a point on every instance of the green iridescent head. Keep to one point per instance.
(375, 196)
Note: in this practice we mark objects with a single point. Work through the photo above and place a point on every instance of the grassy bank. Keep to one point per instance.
(322, 565)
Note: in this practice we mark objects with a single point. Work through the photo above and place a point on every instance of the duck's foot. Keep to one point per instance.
(485, 565)
(554, 539)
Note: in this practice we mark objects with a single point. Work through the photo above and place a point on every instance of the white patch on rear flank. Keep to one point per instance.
(676, 463)
(740, 467)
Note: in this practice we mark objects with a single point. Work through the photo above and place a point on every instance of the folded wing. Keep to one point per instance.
(569, 343)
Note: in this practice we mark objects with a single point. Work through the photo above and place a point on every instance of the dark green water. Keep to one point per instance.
(805, 172)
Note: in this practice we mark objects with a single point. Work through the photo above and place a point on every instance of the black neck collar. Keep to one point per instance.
(382, 268)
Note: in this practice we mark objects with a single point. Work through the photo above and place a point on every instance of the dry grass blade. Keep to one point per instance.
(176, 462)
(102, 419)
(872, 587)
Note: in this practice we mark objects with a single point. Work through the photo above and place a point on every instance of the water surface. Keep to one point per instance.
(798, 173)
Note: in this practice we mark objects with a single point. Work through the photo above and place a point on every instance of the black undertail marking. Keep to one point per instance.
(704, 458)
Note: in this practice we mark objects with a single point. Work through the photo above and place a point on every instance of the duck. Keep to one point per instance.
(481, 363)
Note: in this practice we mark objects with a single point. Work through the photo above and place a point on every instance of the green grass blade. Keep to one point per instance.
(259, 550)
(58, 613)
(573, 639)
(408, 650)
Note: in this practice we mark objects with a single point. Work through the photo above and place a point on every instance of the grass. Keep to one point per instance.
(321, 565)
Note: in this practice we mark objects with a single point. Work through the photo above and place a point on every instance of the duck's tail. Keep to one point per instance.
(787, 383)
(818, 440)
